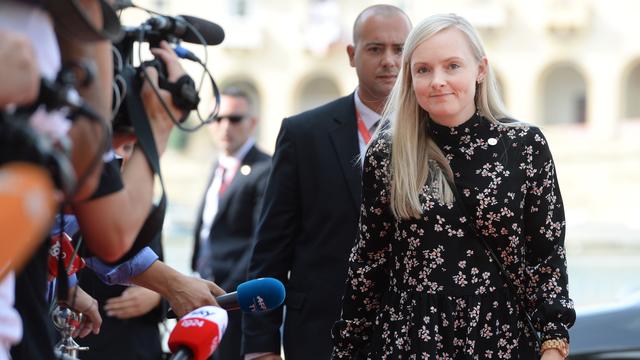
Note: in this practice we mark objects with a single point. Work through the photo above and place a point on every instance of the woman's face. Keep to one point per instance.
(444, 73)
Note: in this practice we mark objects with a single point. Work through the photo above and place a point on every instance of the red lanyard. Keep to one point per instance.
(362, 128)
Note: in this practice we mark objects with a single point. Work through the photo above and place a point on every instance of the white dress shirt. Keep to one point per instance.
(228, 165)
(369, 117)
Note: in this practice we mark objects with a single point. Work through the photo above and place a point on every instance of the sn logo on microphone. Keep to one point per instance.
(258, 305)
(186, 323)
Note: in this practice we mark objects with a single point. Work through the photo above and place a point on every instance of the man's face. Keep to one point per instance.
(377, 53)
(233, 125)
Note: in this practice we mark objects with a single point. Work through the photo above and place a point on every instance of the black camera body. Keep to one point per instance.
(19, 142)
(183, 91)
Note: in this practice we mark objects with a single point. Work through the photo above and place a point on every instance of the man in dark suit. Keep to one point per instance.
(230, 208)
(310, 214)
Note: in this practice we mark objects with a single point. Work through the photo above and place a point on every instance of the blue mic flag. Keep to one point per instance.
(260, 295)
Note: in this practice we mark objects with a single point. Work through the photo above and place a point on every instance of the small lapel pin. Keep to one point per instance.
(245, 170)
(492, 141)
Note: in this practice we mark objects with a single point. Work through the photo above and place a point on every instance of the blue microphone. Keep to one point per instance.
(253, 296)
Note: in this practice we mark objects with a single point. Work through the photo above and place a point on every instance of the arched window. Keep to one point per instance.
(315, 92)
(631, 95)
(563, 95)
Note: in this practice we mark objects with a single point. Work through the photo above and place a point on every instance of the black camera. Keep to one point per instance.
(19, 142)
(129, 78)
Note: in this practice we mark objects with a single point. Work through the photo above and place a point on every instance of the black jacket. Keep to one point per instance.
(307, 229)
(232, 230)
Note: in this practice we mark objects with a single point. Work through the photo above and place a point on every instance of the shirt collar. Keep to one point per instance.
(368, 116)
(235, 159)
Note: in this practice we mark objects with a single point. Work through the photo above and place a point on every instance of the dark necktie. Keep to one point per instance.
(373, 127)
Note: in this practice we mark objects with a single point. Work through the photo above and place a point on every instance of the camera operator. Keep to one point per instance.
(36, 30)
(19, 86)
(112, 218)
(20, 75)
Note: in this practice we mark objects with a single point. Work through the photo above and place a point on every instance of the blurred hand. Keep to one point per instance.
(88, 307)
(191, 293)
(133, 302)
(19, 71)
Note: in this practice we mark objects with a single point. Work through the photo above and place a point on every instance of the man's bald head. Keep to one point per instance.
(386, 11)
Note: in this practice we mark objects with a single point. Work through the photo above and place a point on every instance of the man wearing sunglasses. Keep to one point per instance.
(230, 208)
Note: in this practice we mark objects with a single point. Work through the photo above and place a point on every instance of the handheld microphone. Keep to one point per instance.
(253, 296)
(185, 27)
(198, 333)
(27, 209)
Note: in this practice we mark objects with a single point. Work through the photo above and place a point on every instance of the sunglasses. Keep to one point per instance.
(234, 119)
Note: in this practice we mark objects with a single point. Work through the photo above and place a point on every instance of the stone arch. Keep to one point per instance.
(563, 95)
(315, 91)
(631, 92)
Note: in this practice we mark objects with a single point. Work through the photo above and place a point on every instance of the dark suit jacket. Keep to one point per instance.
(308, 227)
(231, 239)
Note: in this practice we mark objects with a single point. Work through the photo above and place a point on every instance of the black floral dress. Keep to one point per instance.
(426, 288)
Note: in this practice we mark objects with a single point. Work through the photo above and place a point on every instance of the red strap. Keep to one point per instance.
(362, 128)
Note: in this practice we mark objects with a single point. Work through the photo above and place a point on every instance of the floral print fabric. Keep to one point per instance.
(426, 288)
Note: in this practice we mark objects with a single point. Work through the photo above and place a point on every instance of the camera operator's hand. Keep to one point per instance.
(19, 71)
(161, 123)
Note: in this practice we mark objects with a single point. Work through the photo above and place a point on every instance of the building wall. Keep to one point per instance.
(557, 60)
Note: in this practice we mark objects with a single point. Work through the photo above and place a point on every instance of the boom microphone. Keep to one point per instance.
(197, 334)
(183, 27)
(253, 296)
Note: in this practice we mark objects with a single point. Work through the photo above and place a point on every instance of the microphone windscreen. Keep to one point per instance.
(28, 199)
(200, 331)
(212, 33)
(260, 295)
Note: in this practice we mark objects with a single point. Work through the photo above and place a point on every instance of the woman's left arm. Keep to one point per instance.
(544, 229)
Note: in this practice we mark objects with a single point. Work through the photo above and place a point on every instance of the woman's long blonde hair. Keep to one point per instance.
(413, 152)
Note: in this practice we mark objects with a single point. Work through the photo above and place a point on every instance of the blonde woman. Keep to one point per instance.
(460, 253)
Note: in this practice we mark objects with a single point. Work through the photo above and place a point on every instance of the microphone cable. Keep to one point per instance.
(189, 56)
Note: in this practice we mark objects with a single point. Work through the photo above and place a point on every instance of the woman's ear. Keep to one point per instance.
(483, 66)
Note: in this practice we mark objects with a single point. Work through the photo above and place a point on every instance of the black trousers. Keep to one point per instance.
(134, 339)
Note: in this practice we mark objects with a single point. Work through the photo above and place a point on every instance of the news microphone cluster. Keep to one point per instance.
(253, 296)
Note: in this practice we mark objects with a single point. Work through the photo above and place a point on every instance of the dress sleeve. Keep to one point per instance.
(368, 275)
(544, 226)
